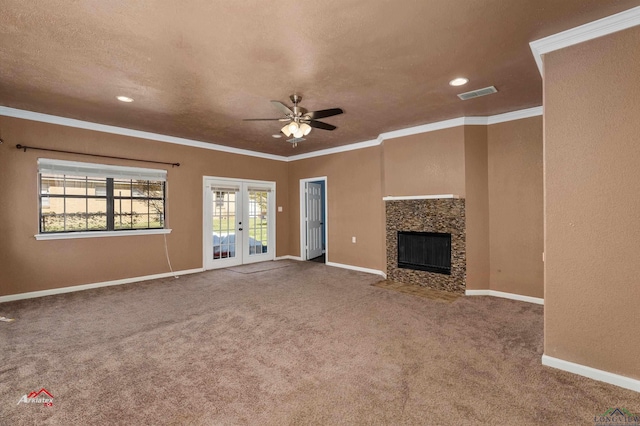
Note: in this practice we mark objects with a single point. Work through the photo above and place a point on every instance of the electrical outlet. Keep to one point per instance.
(353, 240)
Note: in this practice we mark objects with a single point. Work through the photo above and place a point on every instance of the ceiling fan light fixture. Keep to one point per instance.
(286, 130)
(298, 121)
(293, 127)
(305, 128)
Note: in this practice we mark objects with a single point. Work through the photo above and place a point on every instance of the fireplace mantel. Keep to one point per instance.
(418, 197)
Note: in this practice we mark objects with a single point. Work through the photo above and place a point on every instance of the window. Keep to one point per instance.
(86, 197)
(44, 192)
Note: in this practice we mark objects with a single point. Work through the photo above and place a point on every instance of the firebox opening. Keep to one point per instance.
(425, 251)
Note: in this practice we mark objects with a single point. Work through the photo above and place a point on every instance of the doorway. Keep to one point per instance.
(239, 222)
(313, 219)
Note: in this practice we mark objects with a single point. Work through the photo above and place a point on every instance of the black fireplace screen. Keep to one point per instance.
(425, 251)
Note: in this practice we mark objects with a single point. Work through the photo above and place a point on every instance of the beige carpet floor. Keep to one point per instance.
(304, 344)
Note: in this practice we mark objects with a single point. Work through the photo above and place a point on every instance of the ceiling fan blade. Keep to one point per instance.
(321, 125)
(282, 107)
(324, 113)
(266, 119)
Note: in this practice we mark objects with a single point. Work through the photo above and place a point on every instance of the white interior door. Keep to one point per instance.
(239, 222)
(314, 220)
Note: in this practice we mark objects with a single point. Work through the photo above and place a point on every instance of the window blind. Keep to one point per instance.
(74, 168)
(259, 189)
(225, 188)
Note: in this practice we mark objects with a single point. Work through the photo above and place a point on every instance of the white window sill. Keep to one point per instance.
(97, 234)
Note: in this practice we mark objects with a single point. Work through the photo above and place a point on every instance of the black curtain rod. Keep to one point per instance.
(24, 147)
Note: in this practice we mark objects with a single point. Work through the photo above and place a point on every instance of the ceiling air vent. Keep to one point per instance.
(477, 93)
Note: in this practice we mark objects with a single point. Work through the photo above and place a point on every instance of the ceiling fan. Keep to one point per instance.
(299, 120)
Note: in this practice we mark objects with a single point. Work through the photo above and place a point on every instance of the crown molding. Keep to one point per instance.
(592, 30)
(329, 151)
(87, 125)
(424, 128)
(515, 115)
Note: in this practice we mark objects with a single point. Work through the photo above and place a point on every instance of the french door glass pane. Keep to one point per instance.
(224, 224)
(258, 222)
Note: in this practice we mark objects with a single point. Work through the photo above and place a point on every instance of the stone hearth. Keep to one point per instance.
(445, 215)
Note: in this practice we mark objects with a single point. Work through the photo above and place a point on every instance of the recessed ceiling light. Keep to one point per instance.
(276, 136)
(124, 99)
(460, 81)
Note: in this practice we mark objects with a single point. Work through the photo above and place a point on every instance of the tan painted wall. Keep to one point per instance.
(448, 161)
(592, 205)
(458, 161)
(515, 202)
(30, 265)
(476, 206)
(441, 162)
(425, 164)
(355, 206)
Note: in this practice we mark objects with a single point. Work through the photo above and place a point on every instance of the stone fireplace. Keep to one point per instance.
(427, 215)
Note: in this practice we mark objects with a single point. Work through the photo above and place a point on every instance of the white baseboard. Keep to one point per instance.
(357, 268)
(340, 265)
(504, 295)
(288, 256)
(592, 373)
(42, 293)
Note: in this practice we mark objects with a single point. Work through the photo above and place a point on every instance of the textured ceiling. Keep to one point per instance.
(197, 67)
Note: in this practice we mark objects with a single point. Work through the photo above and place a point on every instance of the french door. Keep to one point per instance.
(239, 222)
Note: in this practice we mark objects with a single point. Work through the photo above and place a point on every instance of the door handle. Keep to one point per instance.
(239, 229)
